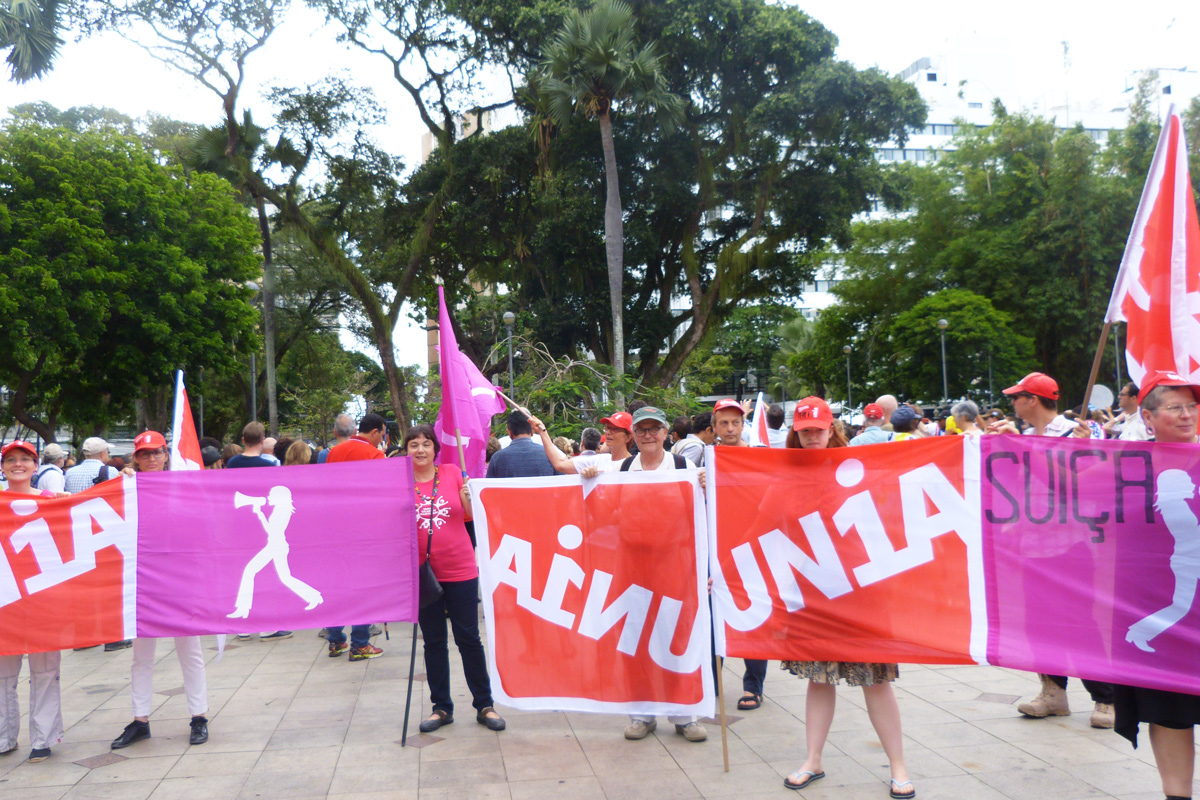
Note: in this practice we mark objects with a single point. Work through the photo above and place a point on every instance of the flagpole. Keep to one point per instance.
(721, 700)
(412, 665)
(462, 461)
(1100, 347)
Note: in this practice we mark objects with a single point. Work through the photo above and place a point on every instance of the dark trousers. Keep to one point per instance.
(460, 599)
(754, 676)
(1101, 692)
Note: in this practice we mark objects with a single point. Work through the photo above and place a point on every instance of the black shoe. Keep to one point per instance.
(199, 731)
(134, 732)
(267, 637)
(121, 645)
(438, 719)
(495, 723)
(39, 754)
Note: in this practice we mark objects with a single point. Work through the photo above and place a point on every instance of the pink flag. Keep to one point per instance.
(185, 445)
(759, 435)
(1157, 290)
(469, 401)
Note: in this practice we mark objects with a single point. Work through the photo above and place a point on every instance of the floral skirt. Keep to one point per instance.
(854, 673)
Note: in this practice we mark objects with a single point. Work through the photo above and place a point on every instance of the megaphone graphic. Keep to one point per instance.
(242, 500)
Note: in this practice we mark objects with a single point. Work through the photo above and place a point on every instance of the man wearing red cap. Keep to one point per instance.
(150, 454)
(872, 430)
(1035, 400)
(728, 419)
(1169, 409)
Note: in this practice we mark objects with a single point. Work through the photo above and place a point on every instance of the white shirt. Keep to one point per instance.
(1134, 428)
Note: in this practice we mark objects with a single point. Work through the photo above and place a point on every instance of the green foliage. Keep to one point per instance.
(977, 335)
(114, 271)
(1032, 218)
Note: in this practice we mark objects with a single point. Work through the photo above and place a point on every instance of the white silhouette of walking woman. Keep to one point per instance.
(1174, 489)
(276, 550)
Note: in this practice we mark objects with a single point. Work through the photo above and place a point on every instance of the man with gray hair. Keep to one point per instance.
(966, 416)
(49, 477)
(92, 470)
(589, 441)
(344, 428)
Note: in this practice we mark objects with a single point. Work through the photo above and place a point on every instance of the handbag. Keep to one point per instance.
(430, 591)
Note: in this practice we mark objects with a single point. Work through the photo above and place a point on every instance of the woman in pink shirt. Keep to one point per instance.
(443, 505)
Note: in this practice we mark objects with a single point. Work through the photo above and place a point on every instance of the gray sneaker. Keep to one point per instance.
(376, 629)
(693, 732)
(640, 728)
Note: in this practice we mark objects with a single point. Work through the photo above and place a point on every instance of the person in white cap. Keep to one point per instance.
(49, 476)
(93, 469)
(18, 460)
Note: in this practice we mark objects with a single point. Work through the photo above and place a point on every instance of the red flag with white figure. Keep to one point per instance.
(759, 434)
(1157, 290)
(185, 444)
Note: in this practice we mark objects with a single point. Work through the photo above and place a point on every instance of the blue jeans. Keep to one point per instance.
(360, 635)
(461, 600)
(754, 676)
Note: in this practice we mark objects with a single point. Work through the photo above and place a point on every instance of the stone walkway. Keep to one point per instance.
(288, 722)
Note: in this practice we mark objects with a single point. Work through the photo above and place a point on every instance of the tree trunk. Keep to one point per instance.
(42, 429)
(268, 298)
(614, 247)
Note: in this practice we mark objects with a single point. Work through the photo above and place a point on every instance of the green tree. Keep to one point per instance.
(1031, 217)
(979, 338)
(592, 64)
(114, 271)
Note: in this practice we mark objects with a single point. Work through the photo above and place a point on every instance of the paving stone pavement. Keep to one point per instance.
(286, 721)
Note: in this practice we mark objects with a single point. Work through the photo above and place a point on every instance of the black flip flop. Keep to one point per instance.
(749, 702)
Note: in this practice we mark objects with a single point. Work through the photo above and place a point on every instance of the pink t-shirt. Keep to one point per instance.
(453, 556)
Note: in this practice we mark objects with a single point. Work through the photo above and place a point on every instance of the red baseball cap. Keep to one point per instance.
(873, 411)
(729, 402)
(18, 444)
(1164, 379)
(1036, 383)
(149, 440)
(620, 420)
(812, 412)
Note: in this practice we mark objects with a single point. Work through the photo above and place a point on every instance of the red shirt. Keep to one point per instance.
(356, 448)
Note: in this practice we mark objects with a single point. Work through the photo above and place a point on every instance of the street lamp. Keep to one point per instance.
(847, 350)
(783, 373)
(509, 318)
(942, 325)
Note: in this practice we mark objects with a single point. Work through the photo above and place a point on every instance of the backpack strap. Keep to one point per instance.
(680, 461)
(626, 464)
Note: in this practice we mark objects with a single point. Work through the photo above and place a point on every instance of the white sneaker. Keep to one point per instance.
(640, 728)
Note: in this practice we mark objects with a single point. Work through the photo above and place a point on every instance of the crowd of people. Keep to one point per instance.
(1164, 409)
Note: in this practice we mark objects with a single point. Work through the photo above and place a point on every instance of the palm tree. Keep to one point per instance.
(29, 32)
(593, 62)
(796, 336)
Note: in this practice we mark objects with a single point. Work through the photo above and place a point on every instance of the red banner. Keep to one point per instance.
(851, 554)
(67, 569)
(593, 592)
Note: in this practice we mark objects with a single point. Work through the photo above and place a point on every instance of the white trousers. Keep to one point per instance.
(45, 701)
(191, 660)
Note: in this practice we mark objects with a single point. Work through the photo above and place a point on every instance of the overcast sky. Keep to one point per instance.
(1017, 51)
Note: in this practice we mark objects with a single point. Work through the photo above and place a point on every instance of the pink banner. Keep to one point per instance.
(1092, 554)
(249, 550)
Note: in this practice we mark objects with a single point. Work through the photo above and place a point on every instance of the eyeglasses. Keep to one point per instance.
(150, 454)
(1175, 409)
(657, 429)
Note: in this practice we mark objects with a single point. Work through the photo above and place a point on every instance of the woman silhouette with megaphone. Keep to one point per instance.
(276, 550)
